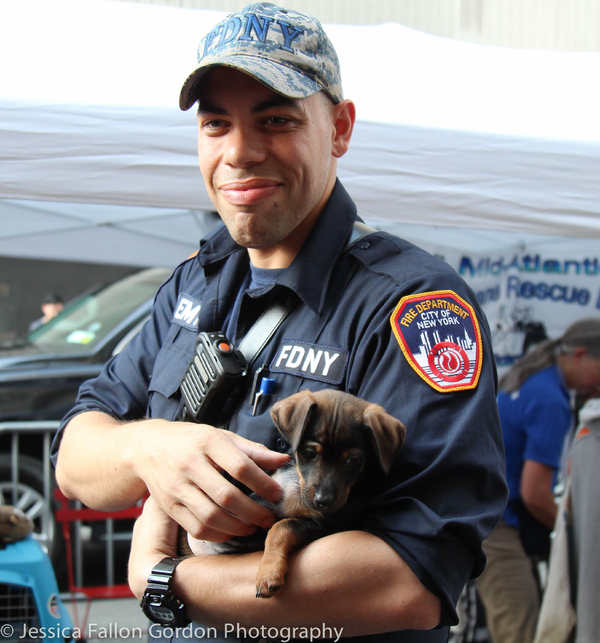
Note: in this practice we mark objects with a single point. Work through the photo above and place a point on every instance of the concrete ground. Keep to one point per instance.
(108, 619)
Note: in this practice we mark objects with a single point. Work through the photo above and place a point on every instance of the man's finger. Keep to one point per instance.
(235, 503)
(217, 508)
(253, 476)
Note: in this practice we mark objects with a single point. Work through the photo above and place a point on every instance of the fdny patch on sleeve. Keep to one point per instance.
(186, 312)
(439, 335)
(312, 361)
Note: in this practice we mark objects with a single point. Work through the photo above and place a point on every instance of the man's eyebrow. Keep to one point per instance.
(206, 107)
(275, 101)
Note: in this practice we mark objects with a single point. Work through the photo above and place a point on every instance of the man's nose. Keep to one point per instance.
(244, 147)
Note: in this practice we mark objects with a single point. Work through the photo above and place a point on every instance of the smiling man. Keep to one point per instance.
(353, 311)
(268, 161)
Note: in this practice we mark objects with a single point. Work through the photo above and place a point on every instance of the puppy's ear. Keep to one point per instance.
(388, 434)
(291, 416)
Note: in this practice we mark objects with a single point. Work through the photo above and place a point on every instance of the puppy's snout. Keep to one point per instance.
(325, 499)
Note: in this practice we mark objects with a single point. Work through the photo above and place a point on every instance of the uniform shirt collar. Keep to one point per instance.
(309, 274)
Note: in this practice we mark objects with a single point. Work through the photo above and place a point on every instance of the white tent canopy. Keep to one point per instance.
(487, 156)
(131, 235)
(449, 133)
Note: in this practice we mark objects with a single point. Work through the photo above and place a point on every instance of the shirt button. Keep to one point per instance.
(281, 444)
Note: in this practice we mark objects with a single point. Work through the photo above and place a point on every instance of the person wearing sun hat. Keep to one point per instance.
(371, 315)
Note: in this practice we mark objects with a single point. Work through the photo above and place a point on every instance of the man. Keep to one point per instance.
(51, 305)
(376, 317)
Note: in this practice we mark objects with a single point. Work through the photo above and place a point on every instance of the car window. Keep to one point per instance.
(83, 324)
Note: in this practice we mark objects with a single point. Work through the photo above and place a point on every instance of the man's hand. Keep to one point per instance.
(182, 465)
(109, 465)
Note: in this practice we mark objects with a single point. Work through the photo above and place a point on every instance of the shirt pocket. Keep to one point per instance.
(169, 368)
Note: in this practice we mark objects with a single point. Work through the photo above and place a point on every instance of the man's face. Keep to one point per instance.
(51, 310)
(585, 375)
(267, 160)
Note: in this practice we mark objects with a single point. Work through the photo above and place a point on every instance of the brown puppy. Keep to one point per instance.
(334, 438)
(14, 524)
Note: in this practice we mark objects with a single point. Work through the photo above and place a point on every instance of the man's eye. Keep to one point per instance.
(277, 120)
(210, 125)
(214, 124)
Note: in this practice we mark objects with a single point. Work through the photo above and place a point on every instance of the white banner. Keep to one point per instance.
(525, 283)
(521, 289)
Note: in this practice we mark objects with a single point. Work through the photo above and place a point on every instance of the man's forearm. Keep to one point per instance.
(536, 491)
(351, 580)
(95, 462)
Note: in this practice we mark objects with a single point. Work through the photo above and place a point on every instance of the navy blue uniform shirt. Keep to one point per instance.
(382, 320)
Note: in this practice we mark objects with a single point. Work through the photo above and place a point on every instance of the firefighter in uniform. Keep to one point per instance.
(374, 316)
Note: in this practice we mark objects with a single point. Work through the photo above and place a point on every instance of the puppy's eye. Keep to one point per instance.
(309, 454)
(353, 461)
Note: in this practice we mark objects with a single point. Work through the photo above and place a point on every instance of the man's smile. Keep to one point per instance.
(249, 191)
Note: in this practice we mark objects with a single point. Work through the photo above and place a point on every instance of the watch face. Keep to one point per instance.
(159, 604)
(164, 610)
(162, 614)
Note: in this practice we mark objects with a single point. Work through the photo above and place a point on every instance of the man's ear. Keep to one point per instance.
(344, 116)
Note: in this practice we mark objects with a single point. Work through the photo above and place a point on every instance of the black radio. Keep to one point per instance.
(213, 373)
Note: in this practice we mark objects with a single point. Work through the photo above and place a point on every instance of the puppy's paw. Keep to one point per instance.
(268, 584)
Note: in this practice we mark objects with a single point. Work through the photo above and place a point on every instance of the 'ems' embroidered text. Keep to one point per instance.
(187, 311)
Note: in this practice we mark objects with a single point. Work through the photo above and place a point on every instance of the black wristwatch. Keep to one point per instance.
(159, 603)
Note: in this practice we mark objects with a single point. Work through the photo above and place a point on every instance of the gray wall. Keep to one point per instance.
(571, 25)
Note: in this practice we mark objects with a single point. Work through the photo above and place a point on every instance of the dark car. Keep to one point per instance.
(39, 379)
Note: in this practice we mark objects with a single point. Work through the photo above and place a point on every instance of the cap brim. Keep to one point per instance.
(276, 76)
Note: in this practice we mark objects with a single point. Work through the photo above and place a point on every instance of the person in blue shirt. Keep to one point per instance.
(377, 317)
(535, 409)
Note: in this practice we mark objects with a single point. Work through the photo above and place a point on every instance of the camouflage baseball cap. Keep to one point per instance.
(286, 50)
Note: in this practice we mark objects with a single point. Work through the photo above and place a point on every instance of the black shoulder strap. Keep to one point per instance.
(270, 320)
(264, 328)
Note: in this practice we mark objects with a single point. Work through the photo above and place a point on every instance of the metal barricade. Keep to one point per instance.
(71, 514)
(51, 510)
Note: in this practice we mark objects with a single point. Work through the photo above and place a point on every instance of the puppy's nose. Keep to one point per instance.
(324, 499)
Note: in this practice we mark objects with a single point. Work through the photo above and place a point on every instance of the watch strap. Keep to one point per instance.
(164, 570)
(159, 597)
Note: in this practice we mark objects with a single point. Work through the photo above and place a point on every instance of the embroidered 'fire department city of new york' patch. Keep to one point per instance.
(440, 337)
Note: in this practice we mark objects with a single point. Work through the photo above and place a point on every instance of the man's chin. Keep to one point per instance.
(253, 241)
(246, 230)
